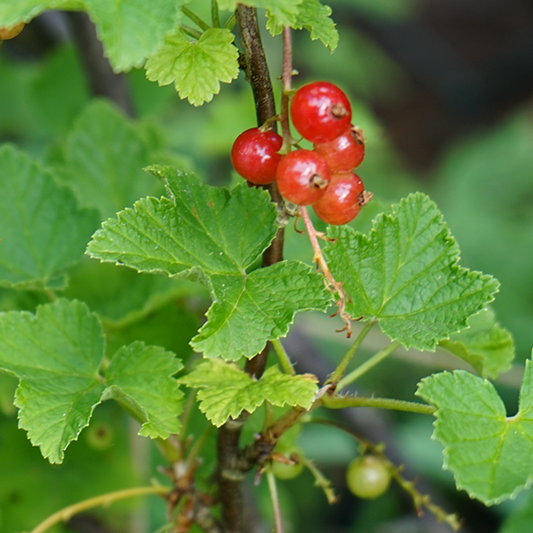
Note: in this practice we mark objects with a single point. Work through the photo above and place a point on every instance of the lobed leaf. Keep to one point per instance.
(248, 311)
(215, 235)
(57, 353)
(104, 156)
(139, 376)
(314, 17)
(130, 30)
(42, 230)
(490, 454)
(226, 390)
(195, 67)
(485, 345)
(405, 274)
(282, 11)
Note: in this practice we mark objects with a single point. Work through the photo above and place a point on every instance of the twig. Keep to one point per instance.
(104, 499)
(275, 500)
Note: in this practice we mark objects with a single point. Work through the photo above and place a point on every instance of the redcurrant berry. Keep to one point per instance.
(342, 200)
(290, 467)
(345, 152)
(255, 155)
(11, 33)
(320, 111)
(302, 177)
(368, 477)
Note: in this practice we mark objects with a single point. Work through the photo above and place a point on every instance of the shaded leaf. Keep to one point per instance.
(42, 230)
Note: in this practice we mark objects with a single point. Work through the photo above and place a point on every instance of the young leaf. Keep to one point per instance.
(487, 346)
(56, 354)
(42, 230)
(130, 29)
(104, 155)
(215, 235)
(135, 379)
(282, 11)
(314, 17)
(405, 273)
(195, 67)
(226, 390)
(491, 455)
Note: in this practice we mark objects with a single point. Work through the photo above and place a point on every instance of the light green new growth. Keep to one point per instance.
(195, 67)
(42, 230)
(487, 346)
(226, 390)
(215, 235)
(283, 11)
(405, 274)
(314, 17)
(57, 353)
(490, 454)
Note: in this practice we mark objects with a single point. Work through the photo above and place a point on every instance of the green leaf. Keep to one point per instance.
(130, 29)
(56, 354)
(134, 378)
(195, 67)
(314, 17)
(491, 455)
(283, 12)
(249, 310)
(215, 235)
(405, 273)
(42, 230)
(104, 157)
(226, 390)
(485, 345)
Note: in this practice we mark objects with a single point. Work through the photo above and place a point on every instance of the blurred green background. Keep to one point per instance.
(443, 91)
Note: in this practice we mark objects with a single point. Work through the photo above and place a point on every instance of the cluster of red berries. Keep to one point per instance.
(322, 177)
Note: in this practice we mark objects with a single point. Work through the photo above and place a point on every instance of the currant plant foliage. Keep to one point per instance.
(404, 274)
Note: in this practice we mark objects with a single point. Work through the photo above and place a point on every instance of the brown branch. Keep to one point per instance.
(101, 79)
(231, 463)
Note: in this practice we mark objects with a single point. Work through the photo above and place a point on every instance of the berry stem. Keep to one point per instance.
(319, 259)
(286, 91)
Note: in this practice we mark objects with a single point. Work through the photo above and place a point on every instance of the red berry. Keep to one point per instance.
(344, 153)
(255, 155)
(342, 200)
(320, 111)
(302, 177)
